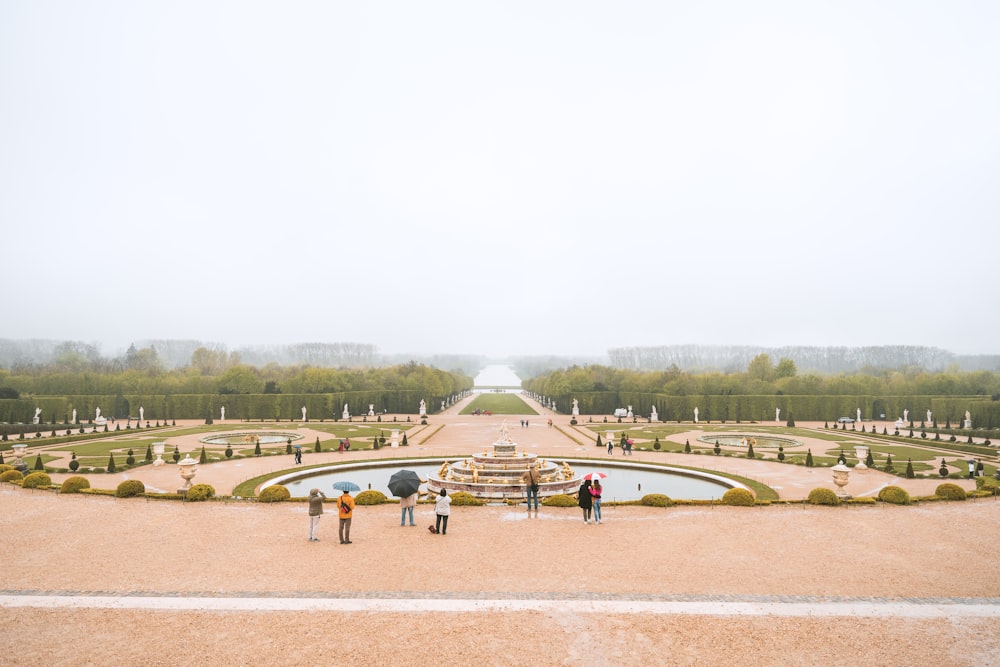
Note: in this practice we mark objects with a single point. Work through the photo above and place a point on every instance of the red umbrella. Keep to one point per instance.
(594, 475)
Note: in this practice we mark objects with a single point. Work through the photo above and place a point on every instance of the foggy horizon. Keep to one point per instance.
(506, 179)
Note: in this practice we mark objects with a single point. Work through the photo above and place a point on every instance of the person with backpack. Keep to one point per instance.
(346, 513)
(531, 479)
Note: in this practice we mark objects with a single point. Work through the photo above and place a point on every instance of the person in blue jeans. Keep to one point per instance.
(531, 479)
(595, 492)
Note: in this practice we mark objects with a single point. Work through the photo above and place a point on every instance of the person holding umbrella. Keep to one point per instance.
(405, 484)
(595, 493)
(346, 506)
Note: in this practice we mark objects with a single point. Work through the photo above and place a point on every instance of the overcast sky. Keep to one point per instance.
(502, 178)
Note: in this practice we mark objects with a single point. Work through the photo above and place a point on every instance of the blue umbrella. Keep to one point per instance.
(349, 487)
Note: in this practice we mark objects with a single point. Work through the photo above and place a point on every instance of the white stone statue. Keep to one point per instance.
(576, 408)
(929, 413)
(442, 406)
(38, 412)
(968, 416)
(504, 434)
(653, 417)
(859, 414)
(696, 415)
(423, 407)
(303, 413)
(629, 414)
(371, 409)
(99, 419)
(906, 416)
(222, 413)
(347, 414)
(74, 416)
(142, 413)
(98, 415)
(777, 414)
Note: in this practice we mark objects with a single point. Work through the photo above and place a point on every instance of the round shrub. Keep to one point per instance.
(738, 497)
(463, 498)
(274, 494)
(130, 488)
(4, 467)
(894, 495)
(11, 476)
(200, 492)
(822, 496)
(74, 484)
(559, 500)
(656, 500)
(37, 480)
(371, 497)
(947, 491)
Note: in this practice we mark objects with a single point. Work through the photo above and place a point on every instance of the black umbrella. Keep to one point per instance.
(404, 483)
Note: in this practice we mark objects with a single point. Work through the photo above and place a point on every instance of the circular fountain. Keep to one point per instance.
(496, 475)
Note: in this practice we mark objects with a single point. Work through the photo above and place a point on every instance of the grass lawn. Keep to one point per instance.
(499, 404)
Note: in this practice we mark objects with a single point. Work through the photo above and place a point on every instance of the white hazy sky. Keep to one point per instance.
(502, 177)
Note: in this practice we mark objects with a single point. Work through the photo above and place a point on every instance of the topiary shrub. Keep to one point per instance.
(558, 500)
(229, 452)
(738, 497)
(374, 497)
(947, 491)
(894, 495)
(203, 458)
(37, 480)
(130, 488)
(809, 458)
(274, 494)
(74, 484)
(11, 476)
(130, 459)
(822, 496)
(39, 465)
(656, 500)
(4, 467)
(687, 446)
(909, 469)
(656, 443)
(111, 462)
(463, 498)
(200, 492)
(74, 465)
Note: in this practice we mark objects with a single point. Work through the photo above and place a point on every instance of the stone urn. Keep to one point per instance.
(20, 449)
(158, 450)
(861, 451)
(188, 467)
(394, 440)
(840, 478)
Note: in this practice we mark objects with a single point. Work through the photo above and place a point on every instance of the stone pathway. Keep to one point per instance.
(583, 602)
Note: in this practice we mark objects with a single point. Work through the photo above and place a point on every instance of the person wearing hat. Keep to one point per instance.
(531, 478)
(316, 499)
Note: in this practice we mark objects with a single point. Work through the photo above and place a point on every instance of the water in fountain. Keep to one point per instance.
(496, 475)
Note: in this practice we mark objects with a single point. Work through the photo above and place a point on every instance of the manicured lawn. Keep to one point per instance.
(499, 404)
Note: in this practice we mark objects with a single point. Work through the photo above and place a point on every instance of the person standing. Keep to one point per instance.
(972, 469)
(346, 513)
(407, 503)
(531, 479)
(316, 498)
(298, 455)
(611, 446)
(585, 500)
(442, 510)
(595, 492)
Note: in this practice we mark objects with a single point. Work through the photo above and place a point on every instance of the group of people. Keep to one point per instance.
(589, 500)
(345, 511)
(626, 447)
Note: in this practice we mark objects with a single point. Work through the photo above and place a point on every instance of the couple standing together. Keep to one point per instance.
(589, 498)
(346, 513)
